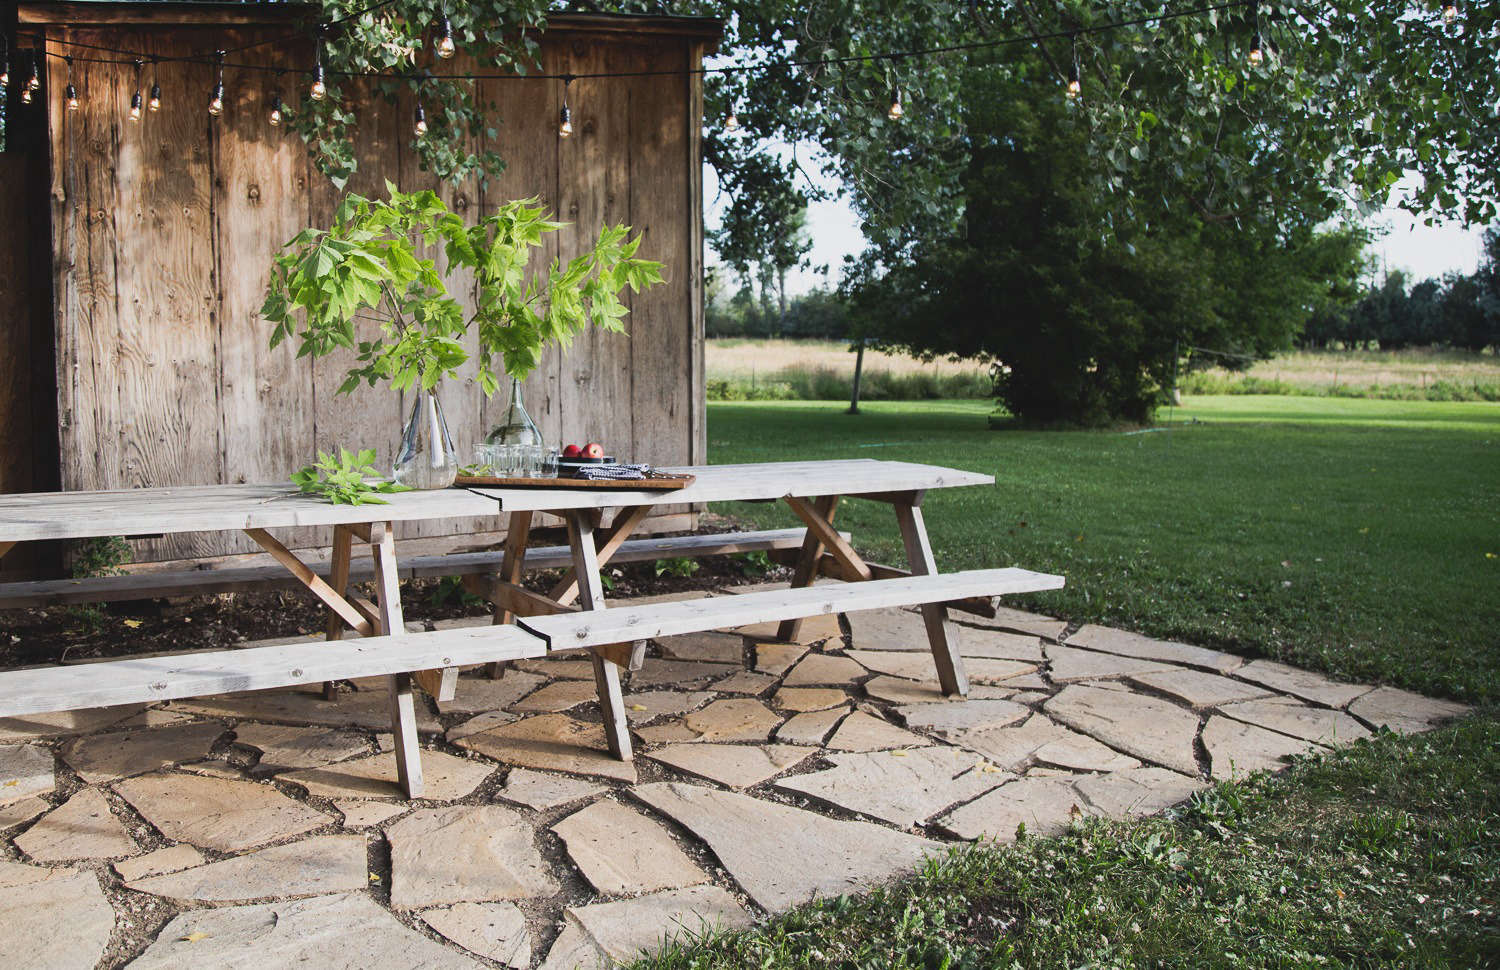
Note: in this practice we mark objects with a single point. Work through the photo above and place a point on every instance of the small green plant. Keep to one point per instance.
(452, 588)
(345, 479)
(756, 563)
(677, 566)
(102, 556)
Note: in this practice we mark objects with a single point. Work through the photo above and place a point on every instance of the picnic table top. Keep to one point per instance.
(220, 508)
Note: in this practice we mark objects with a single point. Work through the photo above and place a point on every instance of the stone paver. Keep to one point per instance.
(919, 666)
(218, 813)
(479, 724)
(58, 723)
(620, 851)
(744, 682)
(324, 864)
(755, 840)
(1018, 621)
(1301, 683)
(342, 932)
(1298, 720)
(799, 699)
(80, 828)
(822, 669)
(104, 757)
(1235, 749)
(811, 727)
(1198, 688)
(1137, 791)
(899, 690)
(863, 732)
(560, 695)
(466, 853)
(17, 813)
(1130, 644)
(552, 742)
(903, 630)
(171, 859)
(444, 777)
(358, 815)
(1146, 727)
(718, 648)
(661, 703)
(1069, 665)
(948, 720)
(496, 931)
(668, 732)
(568, 669)
(25, 770)
(676, 673)
(623, 930)
(814, 629)
(901, 787)
(737, 719)
(541, 791)
(475, 695)
(284, 748)
(1043, 805)
(732, 765)
(574, 949)
(369, 709)
(54, 919)
(1403, 711)
(777, 658)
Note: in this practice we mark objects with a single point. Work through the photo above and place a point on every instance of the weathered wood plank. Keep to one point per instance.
(316, 584)
(149, 679)
(514, 600)
(624, 623)
(981, 606)
(850, 562)
(606, 671)
(941, 635)
(806, 570)
(566, 589)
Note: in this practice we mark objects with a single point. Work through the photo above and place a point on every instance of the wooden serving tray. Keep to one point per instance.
(655, 481)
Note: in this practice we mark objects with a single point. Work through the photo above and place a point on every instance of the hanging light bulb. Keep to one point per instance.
(154, 102)
(1075, 77)
(135, 106)
(5, 68)
(319, 90)
(895, 111)
(732, 123)
(70, 93)
(36, 73)
(216, 99)
(1450, 12)
(1257, 55)
(276, 115)
(420, 127)
(445, 46)
(565, 116)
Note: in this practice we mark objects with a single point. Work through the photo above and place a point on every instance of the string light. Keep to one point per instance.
(153, 103)
(276, 112)
(895, 111)
(135, 97)
(70, 93)
(216, 100)
(420, 127)
(1075, 80)
(1257, 55)
(28, 90)
(1450, 12)
(445, 47)
(565, 117)
(319, 89)
(732, 123)
(4, 63)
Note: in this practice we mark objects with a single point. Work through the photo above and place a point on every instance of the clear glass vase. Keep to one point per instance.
(426, 458)
(516, 442)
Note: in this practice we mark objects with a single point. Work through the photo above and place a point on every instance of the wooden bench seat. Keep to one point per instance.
(199, 582)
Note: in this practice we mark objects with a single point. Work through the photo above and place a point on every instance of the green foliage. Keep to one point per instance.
(680, 566)
(100, 556)
(828, 384)
(344, 480)
(451, 588)
(369, 263)
(755, 563)
(819, 313)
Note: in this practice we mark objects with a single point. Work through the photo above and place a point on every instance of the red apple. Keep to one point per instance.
(593, 450)
(572, 451)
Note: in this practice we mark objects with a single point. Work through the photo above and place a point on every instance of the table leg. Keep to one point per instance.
(6, 547)
(941, 635)
(591, 595)
(566, 590)
(512, 568)
(807, 562)
(403, 701)
(338, 578)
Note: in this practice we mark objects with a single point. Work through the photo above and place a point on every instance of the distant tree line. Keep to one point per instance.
(1458, 311)
(748, 312)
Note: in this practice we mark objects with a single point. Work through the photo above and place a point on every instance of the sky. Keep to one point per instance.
(1421, 251)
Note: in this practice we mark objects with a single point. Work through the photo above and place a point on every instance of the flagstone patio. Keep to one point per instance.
(251, 828)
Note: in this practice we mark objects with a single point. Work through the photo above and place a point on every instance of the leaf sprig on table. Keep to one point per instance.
(346, 479)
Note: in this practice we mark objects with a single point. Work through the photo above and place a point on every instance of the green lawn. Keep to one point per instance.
(1359, 537)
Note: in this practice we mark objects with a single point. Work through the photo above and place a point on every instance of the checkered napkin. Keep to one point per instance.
(596, 473)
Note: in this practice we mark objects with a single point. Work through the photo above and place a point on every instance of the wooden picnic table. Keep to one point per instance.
(811, 489)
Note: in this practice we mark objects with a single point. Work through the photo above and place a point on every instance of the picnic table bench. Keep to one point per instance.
(527, 624)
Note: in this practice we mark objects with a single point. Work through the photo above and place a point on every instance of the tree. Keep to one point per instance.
(764, 230)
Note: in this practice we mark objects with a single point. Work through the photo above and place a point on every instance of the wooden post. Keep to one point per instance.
(591, 595)
(807, 561)
(941, 636)
(624, 527)
(859, 367)
(512, 568)
(403, 701)
(338, 578)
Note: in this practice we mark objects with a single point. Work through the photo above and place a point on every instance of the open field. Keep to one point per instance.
(1359, 537)
(1326, 368)
(740, 358)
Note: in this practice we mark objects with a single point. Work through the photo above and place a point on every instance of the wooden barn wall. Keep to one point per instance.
(164, 230)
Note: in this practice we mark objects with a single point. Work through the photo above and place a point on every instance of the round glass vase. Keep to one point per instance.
(426, 458)
(516, 426)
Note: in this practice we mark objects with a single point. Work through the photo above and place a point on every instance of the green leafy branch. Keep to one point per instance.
(369, 266)
(345, 479)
